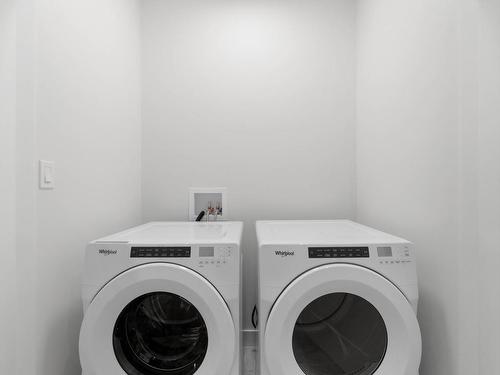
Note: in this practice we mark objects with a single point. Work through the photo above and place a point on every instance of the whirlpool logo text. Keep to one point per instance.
(107, 252)
(284, 254)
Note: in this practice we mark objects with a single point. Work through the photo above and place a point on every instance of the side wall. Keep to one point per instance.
(256, 96)
(489, 185)
(7, 185)
(88, 120)
(408, 152)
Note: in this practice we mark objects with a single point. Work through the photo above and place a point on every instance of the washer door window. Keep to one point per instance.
(339, 334)
(160, 333)
(341, 319)
(158, 319)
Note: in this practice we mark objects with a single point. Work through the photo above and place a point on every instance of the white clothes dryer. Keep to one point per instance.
(163, 298)
(336, 298)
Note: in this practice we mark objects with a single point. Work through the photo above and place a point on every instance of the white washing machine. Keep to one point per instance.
(336, 298)
(163, 298)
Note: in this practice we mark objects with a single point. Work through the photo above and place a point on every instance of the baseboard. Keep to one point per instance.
(250, 352)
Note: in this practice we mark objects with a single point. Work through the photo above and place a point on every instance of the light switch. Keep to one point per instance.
(47, 175)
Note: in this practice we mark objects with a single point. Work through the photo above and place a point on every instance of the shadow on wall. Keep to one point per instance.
(432, 314)
(62, 329)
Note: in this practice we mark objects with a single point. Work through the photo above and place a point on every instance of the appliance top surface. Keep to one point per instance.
(221, 232)
(321, 232)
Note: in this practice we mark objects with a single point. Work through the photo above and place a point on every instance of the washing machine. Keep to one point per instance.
(163, 298)
(336, 298)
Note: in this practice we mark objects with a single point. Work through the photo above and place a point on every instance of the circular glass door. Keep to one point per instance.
(341, 319)
(160, 333)
(339, 334)
(158, 319)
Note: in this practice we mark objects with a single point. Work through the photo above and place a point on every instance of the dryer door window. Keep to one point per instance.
(341, 319)
(160, 333)
(339, 334)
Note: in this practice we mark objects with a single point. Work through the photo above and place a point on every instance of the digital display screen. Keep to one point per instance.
(161, 252)
(207, 252)
(385, 251)
(339, 252)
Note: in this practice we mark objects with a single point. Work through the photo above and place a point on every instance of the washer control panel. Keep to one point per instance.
(161, 252)
(214, 256)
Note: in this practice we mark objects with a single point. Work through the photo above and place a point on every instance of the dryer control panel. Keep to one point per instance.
(339, 252)
(394, 254)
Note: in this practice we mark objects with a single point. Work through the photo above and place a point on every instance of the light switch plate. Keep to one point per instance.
(47, 175)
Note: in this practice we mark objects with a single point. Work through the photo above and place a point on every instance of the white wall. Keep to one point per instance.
(254, 96)
(489, 185)
(88, 121)
(7, 185)
(468, 251)
(407, 152)
(26, 174)
(277, 81)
